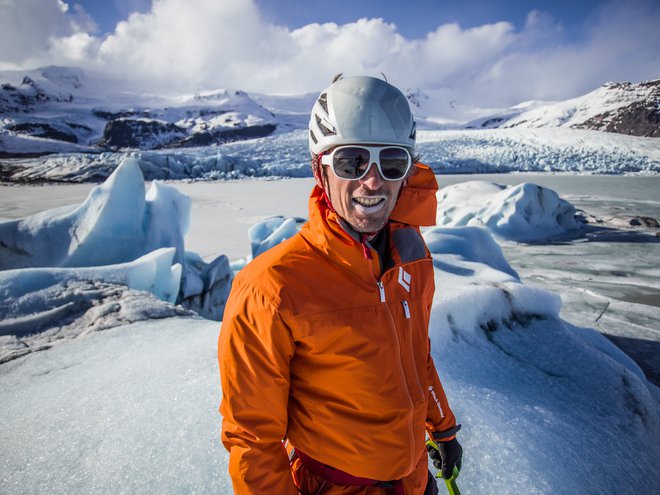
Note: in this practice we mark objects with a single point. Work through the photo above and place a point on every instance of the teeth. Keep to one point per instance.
(365, 201)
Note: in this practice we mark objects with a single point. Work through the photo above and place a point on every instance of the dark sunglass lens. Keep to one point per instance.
(394, 163)
(350, 163)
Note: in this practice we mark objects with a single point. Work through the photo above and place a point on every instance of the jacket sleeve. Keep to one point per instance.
(254, 351)
(440, 420)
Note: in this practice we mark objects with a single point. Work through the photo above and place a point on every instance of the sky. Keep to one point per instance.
(495, 53)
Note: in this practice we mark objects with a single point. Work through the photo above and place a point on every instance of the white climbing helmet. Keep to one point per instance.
(361, 110)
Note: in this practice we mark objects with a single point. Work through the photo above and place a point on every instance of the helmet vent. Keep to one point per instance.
(311, 135)
(324, 129)
(323, 101)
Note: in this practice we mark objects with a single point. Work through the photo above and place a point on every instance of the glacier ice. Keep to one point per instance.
(525, 384)
(51, 262)
(39, 306)
(526, 212)
(271, 231)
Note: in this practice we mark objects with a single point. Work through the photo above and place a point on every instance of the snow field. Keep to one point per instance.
(133, 410)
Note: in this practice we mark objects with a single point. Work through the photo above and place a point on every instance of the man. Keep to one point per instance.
(327, 379)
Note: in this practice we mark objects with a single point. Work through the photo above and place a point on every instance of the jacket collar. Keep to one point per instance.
(416, 206)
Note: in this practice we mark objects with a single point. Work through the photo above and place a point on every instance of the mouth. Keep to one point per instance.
(368, 204)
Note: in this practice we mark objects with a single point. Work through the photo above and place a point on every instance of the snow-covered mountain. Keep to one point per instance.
(625, 108)
(63, 109)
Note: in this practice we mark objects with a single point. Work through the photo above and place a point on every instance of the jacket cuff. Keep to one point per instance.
(445, 435)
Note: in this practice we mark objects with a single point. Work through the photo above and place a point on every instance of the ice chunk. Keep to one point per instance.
(41, 305)
(118, 223)
(524, 213)
(271, 231)
(153, 272)
(470, 244)
(207, 285)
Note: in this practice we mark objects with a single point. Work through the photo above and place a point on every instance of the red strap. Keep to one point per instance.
(339, 477)
(363, 242)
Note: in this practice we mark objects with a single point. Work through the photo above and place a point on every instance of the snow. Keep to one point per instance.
(132, 410)
(578, 110)
(79, 104)
(525, 212)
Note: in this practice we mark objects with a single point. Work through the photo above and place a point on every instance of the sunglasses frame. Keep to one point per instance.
(327, 159)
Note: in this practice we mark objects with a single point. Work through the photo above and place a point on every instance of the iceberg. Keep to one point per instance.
(58, 264)
(524, 213)
(115, 224)
(272, 231)
(40, 306)
(547, 407)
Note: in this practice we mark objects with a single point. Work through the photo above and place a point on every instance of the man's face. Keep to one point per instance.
(364, 203)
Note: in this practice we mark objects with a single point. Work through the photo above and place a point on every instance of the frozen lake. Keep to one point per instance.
(609, 281)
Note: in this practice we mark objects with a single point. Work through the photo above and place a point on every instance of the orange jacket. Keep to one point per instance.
(318, 346)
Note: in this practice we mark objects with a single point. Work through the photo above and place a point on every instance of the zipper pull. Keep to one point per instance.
(381, 288)
(406, 309)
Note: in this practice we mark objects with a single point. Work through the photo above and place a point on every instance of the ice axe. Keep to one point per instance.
(452, 487)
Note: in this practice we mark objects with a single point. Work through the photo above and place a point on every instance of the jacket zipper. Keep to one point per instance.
(381, 289)
(411, 432)
(406, 311)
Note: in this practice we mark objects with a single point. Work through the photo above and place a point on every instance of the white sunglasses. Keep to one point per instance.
(353, 162)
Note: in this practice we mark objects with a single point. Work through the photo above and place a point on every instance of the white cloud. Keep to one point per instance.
(188, 45)
(25, 27)
(29, 27)
(622, 43)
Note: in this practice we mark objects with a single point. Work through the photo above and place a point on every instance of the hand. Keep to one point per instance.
(447, 455)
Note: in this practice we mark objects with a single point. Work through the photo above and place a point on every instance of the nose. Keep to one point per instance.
(372, 180)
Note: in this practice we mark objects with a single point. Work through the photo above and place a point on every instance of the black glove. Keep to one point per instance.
(446, 456)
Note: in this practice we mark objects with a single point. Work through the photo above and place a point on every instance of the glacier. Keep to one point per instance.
(279, 155)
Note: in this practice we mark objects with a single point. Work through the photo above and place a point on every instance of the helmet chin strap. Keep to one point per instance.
(321, 178)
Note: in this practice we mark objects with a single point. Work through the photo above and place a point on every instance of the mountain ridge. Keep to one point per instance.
(622, 107)
(65, 109)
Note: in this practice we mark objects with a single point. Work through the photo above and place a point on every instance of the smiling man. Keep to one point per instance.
(327, 377)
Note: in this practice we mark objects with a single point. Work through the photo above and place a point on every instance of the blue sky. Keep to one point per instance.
(413, 18)
(490, 53)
